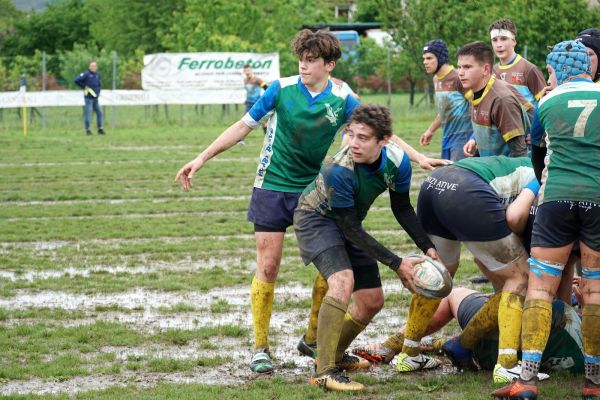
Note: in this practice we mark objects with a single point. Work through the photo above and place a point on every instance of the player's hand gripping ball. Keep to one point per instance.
(432, 279)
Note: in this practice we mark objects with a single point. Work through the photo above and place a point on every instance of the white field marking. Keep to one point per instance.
(155, 200)
(117, 162)
(152, 215)
(146, 299)
(184, 265)
(131, 216)
(53, 244)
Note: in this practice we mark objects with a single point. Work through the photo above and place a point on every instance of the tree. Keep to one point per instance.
(125, 26)
(244, 25)
(57, 28)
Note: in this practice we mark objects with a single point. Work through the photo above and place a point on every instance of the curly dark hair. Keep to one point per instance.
(481, 51)
(376, 116)
(504, 23)
(318, 44)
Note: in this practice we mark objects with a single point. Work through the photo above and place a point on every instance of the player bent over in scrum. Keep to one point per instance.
(466, 203)
(328, 226)
(569, 210)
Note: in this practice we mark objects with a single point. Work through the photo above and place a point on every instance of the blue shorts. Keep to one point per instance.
(272, 211)
(452, 146)
(457, 204)
(559, 223)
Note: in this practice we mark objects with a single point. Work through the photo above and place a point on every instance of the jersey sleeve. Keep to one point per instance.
(507, 115)
(339, 184)
(402, 182)
(351, 104)
(263, 106)
(535, 82)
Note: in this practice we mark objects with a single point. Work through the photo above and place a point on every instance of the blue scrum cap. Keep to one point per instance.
(568, 59)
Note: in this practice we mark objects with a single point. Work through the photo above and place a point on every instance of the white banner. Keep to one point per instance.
(66, 98)
(201, 71)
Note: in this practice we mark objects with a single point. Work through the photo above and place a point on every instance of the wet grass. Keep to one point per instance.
(102, 215)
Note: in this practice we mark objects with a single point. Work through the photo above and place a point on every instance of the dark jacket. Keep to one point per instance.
(91, 80)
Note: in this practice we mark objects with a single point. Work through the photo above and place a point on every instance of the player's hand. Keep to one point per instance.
(431, 163)
(186, 173)
(406, 272)
(470, 148)
(426, 138)
(545, 91)
(433, 254)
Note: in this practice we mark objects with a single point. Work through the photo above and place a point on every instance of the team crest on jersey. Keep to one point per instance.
(332, 116)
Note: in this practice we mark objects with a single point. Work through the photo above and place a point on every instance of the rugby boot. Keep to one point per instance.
(503, 375)
(420, 362)
(517, 390)
(352, 363)
(461, 357)
(375, 353)
(308, 349)
(590, 391)
(333, 380)
(261, 362)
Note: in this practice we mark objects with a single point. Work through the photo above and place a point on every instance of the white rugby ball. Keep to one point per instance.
(432, 278)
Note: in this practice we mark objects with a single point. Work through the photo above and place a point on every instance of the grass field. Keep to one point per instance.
(115, 283)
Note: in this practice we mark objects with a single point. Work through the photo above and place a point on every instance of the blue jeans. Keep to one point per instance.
(87, 112)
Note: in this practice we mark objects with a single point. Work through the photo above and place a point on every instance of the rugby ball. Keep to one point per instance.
(432, 279)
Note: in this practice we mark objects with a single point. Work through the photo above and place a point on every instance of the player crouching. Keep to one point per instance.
(330, 234)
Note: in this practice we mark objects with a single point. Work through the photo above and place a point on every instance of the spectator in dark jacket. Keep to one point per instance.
(90, 82)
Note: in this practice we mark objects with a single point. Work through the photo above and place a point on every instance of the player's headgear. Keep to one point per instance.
(591, 38)
(438, 48)
(569, 58)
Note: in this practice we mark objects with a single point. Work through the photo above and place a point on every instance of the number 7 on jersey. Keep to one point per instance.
(588, 106)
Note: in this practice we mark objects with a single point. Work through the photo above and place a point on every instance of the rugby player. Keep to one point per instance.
(306, 112)
(512, 68)
(563, 351)
(498, 111)
(569, 210)
(453, 108)
(466, 202)
(328, 225)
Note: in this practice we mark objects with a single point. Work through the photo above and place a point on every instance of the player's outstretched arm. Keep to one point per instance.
(420, 158)
(227, 139)
(428, 134)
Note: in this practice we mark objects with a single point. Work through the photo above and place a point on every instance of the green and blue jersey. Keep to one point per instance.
(342, 183)
(300, 131)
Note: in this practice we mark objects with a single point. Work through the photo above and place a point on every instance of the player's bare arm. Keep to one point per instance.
(420, 158)
(227, 139)
(428, 134)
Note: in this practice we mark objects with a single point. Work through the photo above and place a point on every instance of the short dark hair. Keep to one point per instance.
(504, 23)
(376, 116)
(319, 44)
(247, 66)
(481, 51)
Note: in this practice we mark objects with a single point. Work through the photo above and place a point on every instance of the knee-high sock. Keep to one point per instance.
(482, 323)
(318, 293)
(351, 328)
(331, 319)
(590, 328)
(419, 314)
(510, 313)
(261, 302)
(537, 316)
(395, 342)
